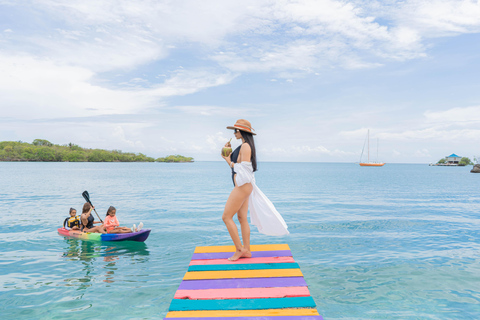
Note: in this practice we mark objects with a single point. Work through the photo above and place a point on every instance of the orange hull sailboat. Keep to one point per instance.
(370, 163)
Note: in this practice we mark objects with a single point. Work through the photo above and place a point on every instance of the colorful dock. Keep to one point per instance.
(268, 286)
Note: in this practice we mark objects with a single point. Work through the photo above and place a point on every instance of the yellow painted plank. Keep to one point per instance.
(243, 313)
(234, 274)
(257, 247)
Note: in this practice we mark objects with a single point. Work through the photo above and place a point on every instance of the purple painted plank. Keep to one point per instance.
(242, 283)
(255, 254)
(255, 318)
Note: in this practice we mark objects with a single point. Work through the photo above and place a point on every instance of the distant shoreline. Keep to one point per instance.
(44, 151)
(222, 161)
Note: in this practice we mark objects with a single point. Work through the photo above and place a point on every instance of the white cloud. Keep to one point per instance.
(434, 18)
(352, 134)
(304, 150)
(254, 36)
(39, 88)
(215, 111)
(435, 134)
(423, 153)
(453, 124)
(119, 134)
(465, 116)
(216, 141)
(187, 82)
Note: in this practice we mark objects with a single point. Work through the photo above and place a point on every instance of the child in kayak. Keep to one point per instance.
(113, 226)
(72, 223)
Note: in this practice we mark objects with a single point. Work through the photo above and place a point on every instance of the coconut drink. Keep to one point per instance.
(227, 149)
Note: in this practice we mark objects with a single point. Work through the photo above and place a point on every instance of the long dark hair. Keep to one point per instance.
(248, 137)
(86, 207)
(110, 209)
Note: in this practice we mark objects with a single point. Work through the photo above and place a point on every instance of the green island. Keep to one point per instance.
(44, 150)
(175, 158)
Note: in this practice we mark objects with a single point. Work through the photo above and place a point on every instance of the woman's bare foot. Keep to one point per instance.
(243, 253)
(247, 254)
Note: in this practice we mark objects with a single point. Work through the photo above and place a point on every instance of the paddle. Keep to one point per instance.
(86, 196)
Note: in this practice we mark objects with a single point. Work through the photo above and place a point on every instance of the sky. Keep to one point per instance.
(312, 76)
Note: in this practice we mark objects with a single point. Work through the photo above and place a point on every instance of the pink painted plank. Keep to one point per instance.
(242, 261)
(243, 293)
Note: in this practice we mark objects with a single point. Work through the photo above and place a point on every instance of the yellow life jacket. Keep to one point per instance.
(72, 222)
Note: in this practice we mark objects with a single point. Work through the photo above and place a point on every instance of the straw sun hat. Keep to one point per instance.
(243, 125)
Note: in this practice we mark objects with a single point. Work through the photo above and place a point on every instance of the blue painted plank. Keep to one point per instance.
(242, 304)
(249, 266)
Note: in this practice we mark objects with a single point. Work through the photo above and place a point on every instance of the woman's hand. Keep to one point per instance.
(228, 159)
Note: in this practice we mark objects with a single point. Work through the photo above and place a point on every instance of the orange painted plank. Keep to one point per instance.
(242, 261)
(243, 293)
(243, 313)
(254, 247)
(239, 274)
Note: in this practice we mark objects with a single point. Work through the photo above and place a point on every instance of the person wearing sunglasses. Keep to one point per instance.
(246, 194)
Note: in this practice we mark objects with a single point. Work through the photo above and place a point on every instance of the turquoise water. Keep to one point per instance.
(397, 242)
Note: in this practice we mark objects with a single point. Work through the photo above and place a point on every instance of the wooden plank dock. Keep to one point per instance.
(268, 286)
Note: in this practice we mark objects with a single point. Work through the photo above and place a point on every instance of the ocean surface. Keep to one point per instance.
(397, 242)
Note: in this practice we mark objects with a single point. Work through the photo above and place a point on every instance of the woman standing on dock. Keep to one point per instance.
(243, 162)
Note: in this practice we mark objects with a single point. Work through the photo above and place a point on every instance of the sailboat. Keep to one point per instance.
(370, 163)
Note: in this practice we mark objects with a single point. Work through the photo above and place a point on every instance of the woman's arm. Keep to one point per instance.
(245, 153)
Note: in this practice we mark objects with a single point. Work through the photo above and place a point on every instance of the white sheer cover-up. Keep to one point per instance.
(262, 211)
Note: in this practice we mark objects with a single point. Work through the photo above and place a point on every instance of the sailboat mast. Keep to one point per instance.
(368, 134)
(377, 150)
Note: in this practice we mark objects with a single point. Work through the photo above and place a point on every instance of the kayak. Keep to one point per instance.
(140, 236)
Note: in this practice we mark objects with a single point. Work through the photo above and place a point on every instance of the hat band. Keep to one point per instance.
(243, 126)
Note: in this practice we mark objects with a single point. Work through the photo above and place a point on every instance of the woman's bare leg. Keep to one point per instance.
(101, 229)
(242, 216)
(234, 203)
(121, 230)
(96, 229)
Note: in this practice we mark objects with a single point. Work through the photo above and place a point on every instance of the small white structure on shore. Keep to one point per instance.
(453, 159)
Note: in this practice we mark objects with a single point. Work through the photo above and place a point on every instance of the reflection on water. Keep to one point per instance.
(110, 253)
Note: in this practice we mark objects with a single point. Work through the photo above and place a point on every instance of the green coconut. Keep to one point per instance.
(227, 150)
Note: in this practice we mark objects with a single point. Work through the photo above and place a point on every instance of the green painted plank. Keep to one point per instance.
(242, 304)
(249, 266)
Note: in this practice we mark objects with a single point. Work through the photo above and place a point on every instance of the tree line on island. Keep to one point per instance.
(44, 150)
